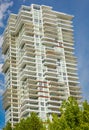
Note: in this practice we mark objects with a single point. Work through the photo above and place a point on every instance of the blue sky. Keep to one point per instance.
(78, 8)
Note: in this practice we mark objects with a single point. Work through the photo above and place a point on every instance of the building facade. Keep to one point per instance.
(40, 66)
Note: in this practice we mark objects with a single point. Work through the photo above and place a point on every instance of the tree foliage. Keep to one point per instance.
(31, 123)
(73, 117)
(8, 127)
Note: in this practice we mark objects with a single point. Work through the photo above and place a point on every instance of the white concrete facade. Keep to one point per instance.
(40, 66)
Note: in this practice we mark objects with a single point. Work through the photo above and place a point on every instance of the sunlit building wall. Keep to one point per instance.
(40, 66)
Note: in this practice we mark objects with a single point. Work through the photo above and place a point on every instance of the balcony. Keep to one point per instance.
(26, 74)
(25, 38)
(32, 81)
(32, 68)
(73, 81)
(77, 88)
(52, 56)
(61, 89)
(65, 26)
(76, 96)
(49, 31)
(50, 28)
(75, 92)
(28, 101)
(53, 111)
(71, 70)
(23, 17)
(51, 73)
(66, 33)
(57, 93)
(71, 64)
(53, 106)
(7, 103)
(7, 56)
(29, 48)
(27, 111)
(28, 106)
(50, 35)
(54, 102)
(70, 57)
(32, 91)
(50, 64)
(74, 78)
(35, 87)
(68, 46)
(6, 65)
(49, 60)
(29, 55)
(59, 98)
(25, 60)
(56, 83)
(64, 29)
(51, 78)
(70, 61)
(48, 21)
(48, 43)
(7, 93)
(6, 42)
(48, 14)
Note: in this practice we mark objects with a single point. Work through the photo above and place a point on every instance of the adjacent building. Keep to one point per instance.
(40, 66)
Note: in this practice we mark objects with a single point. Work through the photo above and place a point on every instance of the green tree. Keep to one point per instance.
(85, 116)
(30, 123)
(57, 123)
(72, 116)
(86, 112)
(72, 113)
(34, 122)
(22, 125)
(8, 126)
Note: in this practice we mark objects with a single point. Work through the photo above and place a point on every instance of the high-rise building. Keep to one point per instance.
(40, 66)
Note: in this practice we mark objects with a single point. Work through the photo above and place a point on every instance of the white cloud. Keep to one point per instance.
(1, 67)
(4, 5)
(1, 91)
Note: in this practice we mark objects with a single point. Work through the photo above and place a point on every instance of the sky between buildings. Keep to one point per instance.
(80, 10)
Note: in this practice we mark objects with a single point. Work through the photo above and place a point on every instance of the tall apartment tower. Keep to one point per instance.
(40, 66)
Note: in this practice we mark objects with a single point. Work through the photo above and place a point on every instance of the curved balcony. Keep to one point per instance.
(6, 65)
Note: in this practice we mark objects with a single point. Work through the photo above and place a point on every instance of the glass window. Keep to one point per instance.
(36, 7)
(42, 103)
(36, 20)
(40, 83)
(45, 84)
(42, 108)
(40, 74)
(36, 36)
(37, 44)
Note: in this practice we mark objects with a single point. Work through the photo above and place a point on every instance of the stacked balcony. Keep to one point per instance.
(10, 99)
(23, 17)
(6, 65)
(71, 64)
(25, 36)
(29, 69)
(29, 106)
(50, 25)
(30, 97)
(7, 99)
(58, 93)
(6, 42)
